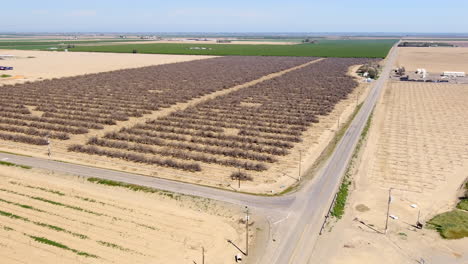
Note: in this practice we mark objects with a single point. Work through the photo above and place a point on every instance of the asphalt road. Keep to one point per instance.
(295, 219)
(259, 202)
(299, 233)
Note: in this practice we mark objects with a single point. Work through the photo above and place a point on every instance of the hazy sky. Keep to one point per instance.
(234, 16)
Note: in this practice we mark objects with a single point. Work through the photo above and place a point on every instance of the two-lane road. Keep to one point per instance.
(295, 234)
(313, 201)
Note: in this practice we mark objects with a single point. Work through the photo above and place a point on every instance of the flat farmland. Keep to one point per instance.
(251, 130)
(37, 65)
(417, 145)
(76, 104)
(436, 60)
(64, 219)
(209, 121)
(324, 48)
(423, 136)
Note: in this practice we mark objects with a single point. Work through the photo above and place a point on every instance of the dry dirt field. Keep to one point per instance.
(35, 65)
(51, 218)
(435, 60)
(418, 146)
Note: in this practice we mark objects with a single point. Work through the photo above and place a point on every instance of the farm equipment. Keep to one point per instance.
(4, 68)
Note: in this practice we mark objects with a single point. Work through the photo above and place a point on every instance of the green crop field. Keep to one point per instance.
(60, 45)
(296, 40)
(324, 48)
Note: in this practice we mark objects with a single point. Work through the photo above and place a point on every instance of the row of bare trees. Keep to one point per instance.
(76, 104)
(249, 128)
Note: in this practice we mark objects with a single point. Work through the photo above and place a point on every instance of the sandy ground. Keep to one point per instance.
(115, 224)
(34, 65)
(435, 60)
(417, 145)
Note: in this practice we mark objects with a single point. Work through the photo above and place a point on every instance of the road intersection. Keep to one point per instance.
(295, 219)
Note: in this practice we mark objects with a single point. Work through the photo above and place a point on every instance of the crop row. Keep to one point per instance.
(253, 125)
(76, 104)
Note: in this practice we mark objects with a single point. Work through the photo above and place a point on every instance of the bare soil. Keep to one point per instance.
(116, 225)
(434, 60)
(36, 65)
(417, 147)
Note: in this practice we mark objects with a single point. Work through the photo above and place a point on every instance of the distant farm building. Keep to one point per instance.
(422, 72)
(223, 41)
(453, 74)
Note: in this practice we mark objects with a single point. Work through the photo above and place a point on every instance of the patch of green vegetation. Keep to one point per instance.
(59, 229)
(6, 163)
(324, 48)
(60, 245)
(22, 205)
(52, 202)
(39, 188)
(65, 205)
(111, 245)
(76, 208)
(88, 199)
(134, 187)
(53, 45)
(53, 227)
(342, 195)
(11, 43)
(295, 40)
(463, 205)
(7, 214)
(5, 76)
(450, 225)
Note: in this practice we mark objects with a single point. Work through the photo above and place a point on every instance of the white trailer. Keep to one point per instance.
(454, 74)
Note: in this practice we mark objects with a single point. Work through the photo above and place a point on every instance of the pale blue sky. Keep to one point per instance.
(234, 16)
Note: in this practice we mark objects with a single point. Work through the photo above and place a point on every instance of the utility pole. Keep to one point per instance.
(357, 98)
(49, 153)
(239, 177)
(388, 208)
(247, 231)
(337, 130)
(300, 162)
(419, 225)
